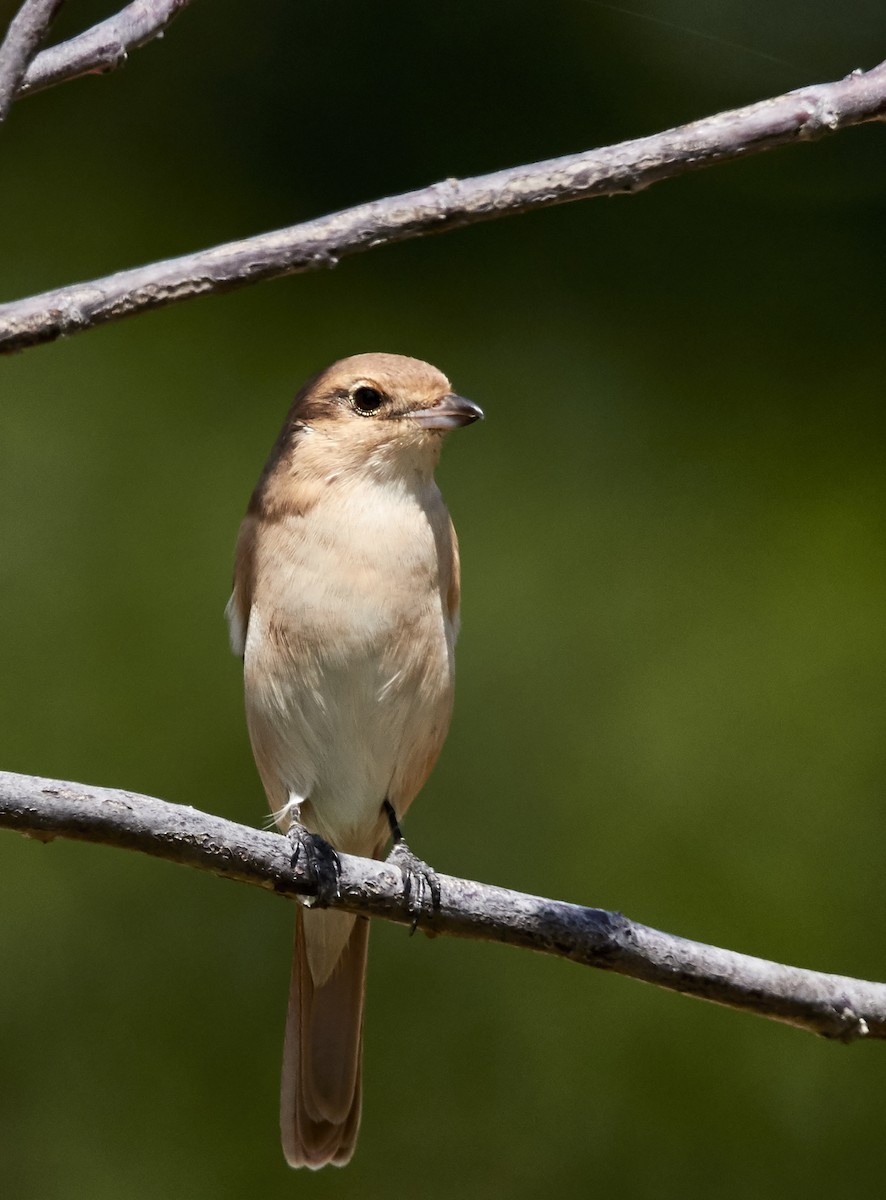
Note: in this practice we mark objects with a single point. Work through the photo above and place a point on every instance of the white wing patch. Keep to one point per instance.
(236, 626)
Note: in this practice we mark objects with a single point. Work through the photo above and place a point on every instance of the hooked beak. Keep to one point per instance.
(449, 412)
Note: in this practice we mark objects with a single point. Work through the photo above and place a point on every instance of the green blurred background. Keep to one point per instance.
(671, 674)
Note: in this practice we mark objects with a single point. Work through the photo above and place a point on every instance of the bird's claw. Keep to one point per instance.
(316, 863)
(421, 885)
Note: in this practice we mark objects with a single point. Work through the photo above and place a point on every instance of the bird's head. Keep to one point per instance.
(381, 414)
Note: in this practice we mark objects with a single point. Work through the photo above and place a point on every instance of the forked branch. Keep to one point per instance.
(26, 31)
(102, 48)
(834, 1006)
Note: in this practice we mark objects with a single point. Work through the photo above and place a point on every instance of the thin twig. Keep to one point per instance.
(831, 1005)
(805, 114)
(102, 48)
(25, 33)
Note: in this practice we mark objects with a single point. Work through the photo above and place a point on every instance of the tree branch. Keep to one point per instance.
(26, 31)
(803, 115)
(831, 1005)
(102, 48)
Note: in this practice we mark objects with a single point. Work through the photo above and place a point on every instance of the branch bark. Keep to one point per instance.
(834, 1006)
(102, 48)
(26, 31)
(808, 113)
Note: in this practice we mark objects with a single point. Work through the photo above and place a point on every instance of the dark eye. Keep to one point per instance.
(366, 399)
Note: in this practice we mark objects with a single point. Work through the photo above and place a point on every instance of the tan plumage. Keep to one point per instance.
(345, 609)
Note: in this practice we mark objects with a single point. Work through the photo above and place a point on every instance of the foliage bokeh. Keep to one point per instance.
(671, 675)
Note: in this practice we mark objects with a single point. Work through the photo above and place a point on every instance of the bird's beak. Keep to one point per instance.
(449, 412)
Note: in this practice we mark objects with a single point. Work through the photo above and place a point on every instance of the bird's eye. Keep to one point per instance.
(366, 399)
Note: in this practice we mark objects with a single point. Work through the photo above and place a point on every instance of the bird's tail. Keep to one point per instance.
(323, 1053)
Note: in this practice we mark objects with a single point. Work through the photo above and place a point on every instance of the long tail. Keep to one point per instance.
(323, 1054)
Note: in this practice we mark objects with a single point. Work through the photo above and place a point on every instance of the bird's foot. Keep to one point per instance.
(316, 863)
(421, 886)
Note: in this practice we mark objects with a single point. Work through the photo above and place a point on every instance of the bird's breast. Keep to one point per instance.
(355, 571)
(349, 652)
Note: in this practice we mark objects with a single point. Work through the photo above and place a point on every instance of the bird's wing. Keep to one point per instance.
(237, 608)
(453, 591)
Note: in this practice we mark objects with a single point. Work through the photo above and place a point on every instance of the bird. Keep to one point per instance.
(345, 611)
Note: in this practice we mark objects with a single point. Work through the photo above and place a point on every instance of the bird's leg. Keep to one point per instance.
(421, 887)
(316, 862)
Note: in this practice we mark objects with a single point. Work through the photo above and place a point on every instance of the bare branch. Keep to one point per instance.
(628, 167)
(803, 115)
(831, 1005)
(102, 48)
(27, 30)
